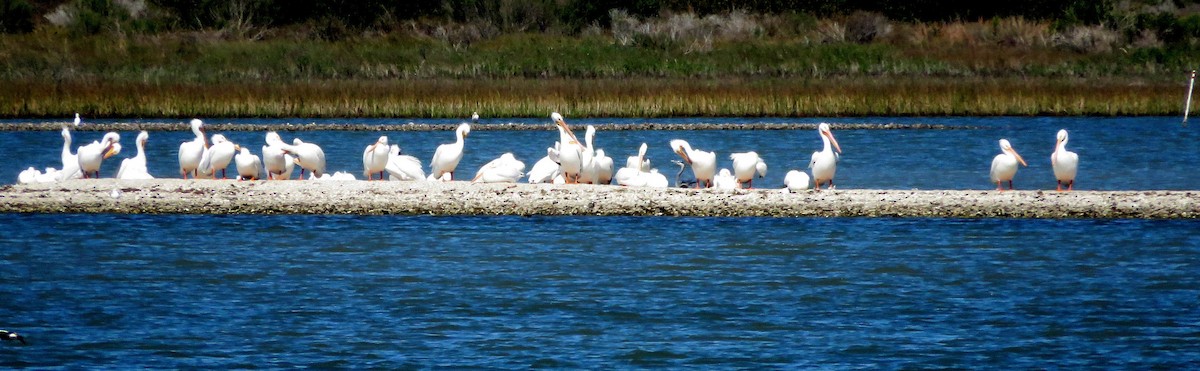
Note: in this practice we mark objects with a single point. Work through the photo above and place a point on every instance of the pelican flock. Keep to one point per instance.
(567, 161)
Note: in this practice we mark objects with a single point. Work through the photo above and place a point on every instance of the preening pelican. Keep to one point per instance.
(570, 151)
(795, 180)
(92, 155)
(278, 163)
(32, 175)
(1064, 162)
(309, 156)
(217, 157)
(639, 162)
(587, 163)
(70, 162)
(248, 165)
(192, 151)
(545, 169)
(604, 167)
(1004, 165)
(375, 158)
(135, 167)
(725, 180)
(403, 167)
(746, 165)
(446, 157)
(633, 175)
(824, 162)
(704, 164)
(506, 169)
(655, 180)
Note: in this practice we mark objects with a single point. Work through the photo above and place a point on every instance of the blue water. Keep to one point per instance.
(131, 291)
(1128, 153)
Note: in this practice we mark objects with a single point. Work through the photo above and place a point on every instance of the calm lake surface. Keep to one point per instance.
(183, 291)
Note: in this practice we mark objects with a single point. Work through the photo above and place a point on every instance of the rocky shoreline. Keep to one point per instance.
(509, 126)
(176, 196)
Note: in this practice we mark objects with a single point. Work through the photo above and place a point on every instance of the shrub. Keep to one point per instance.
(864, 27)
(16, 16)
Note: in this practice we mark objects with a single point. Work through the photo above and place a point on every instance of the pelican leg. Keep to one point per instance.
(998, 187)
(1071, 185)
(1010, 187)
(1059, 188)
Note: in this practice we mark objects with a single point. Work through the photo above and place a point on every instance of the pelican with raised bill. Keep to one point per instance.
(192, 151)
(1064, 162)
(70, 161)
(1004, 165)
(92, 155)
(375, 158)
(135, 167)
(746, 166)
(824, 162)
(570, 151)
(703, 163)
(447, 156)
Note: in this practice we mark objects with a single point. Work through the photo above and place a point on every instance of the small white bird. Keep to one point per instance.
(474, 116)
(1004, 165)
(796, 180)
(703, 163)
(505, 169)
(92, 155)
(248, 165)
(403, 167)
(77, 120)
(192, 151)
(375, 158)
(135, 167)
(276, 161)
(746, 165)
(217, 157)
(824, 162)
(447, 156)
(1064, 162)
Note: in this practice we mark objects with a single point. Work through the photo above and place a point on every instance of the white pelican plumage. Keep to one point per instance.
(795, 180)
(1064, 162)
(191, 152)
(309, 156)
(276, 162)
(824, 162)
(77, 120)
(746, 165)
(604, 167)
(704, 164)
(639, 162)
(570, 151)
(249, 166)
(135, 167)
(70, 162)
(587, 163)
(218, 156)
(545, 169)
(655, 180)
(32, 175)
(1004, 165)
(375, 158)
(403, 167)
(505, 169)
(630, 175)
(446, 157)
(92, 155)
(725, 180)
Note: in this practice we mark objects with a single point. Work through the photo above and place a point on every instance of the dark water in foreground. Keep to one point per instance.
(127, 291)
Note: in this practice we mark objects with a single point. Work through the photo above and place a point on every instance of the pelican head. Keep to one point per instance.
(1007, 148)
(682, 148)
(112, 144)
(142, 137)
(273, 139)
(1062, 137)
(464, 129)
(827, 134)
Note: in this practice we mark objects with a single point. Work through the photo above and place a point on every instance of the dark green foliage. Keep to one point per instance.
(16, 16)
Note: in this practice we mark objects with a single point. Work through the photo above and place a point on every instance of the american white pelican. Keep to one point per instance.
(309, 156)
(505, 169)
(1004, 165)
(824, 162)
(570, 151)
(32, 175)
(446, 157)
(135, 167)
(655, 180)
(92, 155)
(217, 157)
(639, 162)
(339, 175)
(276, 162)
(725, 180)
(1064, 162)
(403, 167)
(191, 152)
(70, 162)
(630, 175)
(704, 164)
(587, 164)
(248, 165)
(604, 167)
(375, 158)
(795, 180)
(746, 165)
(545, 169)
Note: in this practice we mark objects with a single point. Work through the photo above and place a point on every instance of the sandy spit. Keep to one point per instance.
(176, 196)
(511, 126)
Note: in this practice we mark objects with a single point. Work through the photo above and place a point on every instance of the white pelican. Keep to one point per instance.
(506, 169)
(824, 162)
(1004, 165)
(725, 180)
(704, 164)
(309, 156)
(604, 167)
(92, 155)
(32, 175)
(190, 152)
(248, 165)
(655, 180)
(796, 180)
(277, 163)
(1064, 162)
(746, 165)
(639, 162)
(375, 158)
(135, 167)
(218, 156)
(545, 169)
(587, 164)
(570, 151)
(70, 162)
(446, 157)
(403, 167)
(339, 175)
